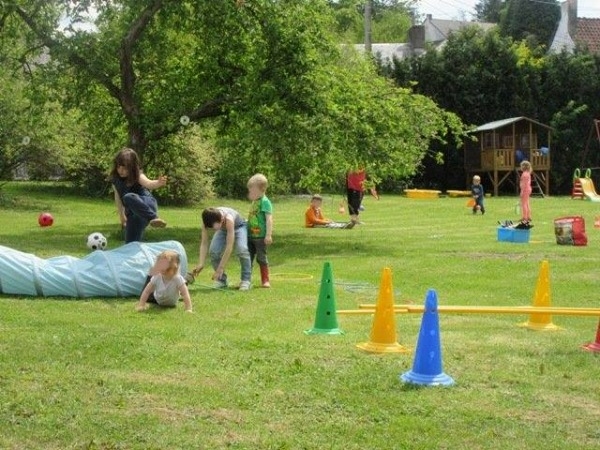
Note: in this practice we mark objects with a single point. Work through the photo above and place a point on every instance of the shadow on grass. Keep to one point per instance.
(305, 243)
(312, 243)
(72, 239)
(37, 196)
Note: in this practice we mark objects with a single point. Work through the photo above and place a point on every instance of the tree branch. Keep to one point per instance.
(72, 56)
(3, 20)
(212, 108)
(126, 57)
(128, 102)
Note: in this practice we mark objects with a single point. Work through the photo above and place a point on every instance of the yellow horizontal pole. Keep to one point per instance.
(487, 310)
(536, 308)
(373, 306)
(355, 312)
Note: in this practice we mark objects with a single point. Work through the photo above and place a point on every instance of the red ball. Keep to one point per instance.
(45, 219)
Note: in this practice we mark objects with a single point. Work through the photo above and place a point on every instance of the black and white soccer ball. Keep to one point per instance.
(96, 241)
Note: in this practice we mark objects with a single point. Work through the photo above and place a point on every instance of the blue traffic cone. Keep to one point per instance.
(427, 366)
(326, 317)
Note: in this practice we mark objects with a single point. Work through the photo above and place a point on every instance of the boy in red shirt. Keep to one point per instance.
(355, 181)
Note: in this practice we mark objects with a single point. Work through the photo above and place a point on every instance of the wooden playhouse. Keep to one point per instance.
(499, 148)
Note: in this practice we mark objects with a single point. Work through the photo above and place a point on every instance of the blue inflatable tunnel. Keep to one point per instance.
(111, 273)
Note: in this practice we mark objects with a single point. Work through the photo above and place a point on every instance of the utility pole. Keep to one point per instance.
(368, 14)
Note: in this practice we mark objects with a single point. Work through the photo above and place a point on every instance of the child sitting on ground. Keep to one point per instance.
(165, 285)
(313, 217)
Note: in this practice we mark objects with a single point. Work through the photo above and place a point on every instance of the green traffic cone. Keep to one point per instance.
(326, 317)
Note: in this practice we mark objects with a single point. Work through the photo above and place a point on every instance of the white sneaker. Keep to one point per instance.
(244, 286)
(220, 284)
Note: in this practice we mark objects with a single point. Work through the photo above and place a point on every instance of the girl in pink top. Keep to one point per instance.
(525, 185)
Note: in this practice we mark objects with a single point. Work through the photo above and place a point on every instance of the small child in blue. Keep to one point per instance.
(477, 194)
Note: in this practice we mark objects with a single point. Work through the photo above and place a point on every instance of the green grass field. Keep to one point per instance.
(240, 373)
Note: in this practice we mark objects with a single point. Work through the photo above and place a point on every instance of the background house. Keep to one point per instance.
(573, 31)
(432, 32)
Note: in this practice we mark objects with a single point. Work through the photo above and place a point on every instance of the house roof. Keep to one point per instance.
(432, 31)
(588, 34)
(502, 123)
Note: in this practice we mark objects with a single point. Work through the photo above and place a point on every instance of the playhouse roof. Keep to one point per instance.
(502, 123)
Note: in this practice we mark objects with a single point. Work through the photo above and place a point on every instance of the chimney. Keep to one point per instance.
(572, 17)
(416, 37)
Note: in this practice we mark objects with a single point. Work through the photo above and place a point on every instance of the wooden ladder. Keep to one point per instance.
(536, 187)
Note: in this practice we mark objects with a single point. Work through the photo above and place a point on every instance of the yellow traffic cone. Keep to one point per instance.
(541, 298)
(383, 333)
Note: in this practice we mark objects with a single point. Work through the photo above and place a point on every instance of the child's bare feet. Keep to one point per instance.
(158, 223)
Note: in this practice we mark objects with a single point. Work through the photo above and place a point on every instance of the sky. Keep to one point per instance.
(465, 9)
(451, 10)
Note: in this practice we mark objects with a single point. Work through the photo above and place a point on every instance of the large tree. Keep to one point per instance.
(267, 75)
(494, 77)
(490, 10)
(30, 127)
(390, 19)
(483, 71)
(534, 21)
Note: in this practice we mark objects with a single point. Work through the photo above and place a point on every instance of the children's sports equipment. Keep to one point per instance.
(96, 241)
(325, 318)
(383, 338)
(120, 272)
(427, 365)
(583, 187)
(45, 219)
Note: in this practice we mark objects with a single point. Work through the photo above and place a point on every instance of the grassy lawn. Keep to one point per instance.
(240, 373)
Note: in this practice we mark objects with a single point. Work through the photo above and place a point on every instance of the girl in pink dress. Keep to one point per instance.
(525, 185)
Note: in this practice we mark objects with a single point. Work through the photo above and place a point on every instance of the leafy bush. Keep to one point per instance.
(188, 159)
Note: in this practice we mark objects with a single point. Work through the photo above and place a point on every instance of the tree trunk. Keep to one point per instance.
(368, 15)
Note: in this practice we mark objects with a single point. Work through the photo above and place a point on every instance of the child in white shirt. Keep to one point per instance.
(166, 285)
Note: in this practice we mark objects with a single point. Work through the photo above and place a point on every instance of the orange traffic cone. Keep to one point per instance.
(383, 333)
(593, 346)
(541, 298)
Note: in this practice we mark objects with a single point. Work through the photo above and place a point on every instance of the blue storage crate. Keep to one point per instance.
(513, 235)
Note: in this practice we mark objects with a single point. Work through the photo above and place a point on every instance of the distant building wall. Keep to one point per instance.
(566, 28)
